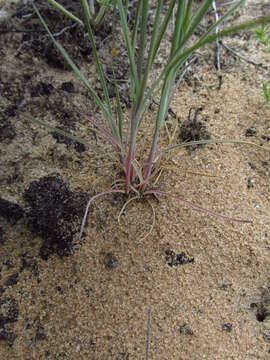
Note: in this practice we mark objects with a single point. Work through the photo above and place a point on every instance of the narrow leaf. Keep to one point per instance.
(130, 50)
(65, 12)
(82, 78)
(86, 13)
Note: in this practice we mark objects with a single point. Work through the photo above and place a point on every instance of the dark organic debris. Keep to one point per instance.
(40, 333)
(174, 259)
(12, 280)
(42, 89)
(262, 307)
(55, 213)
(7, 336)
(123, 356)
(12, 212)
(67, 86)
(193, 129)
(53, 57)
(266, 137)
(28, 262)
(110, 260)
(62, 139)
(250, 182)
(185, 329)
(262, 311)
(2, 239)
(7, 262)
(87, 291)
(227, 327)
(8, 311)
(252, 165)
(251, 131)
(7, 132)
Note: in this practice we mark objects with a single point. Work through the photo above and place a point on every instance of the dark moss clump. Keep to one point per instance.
(55, 213)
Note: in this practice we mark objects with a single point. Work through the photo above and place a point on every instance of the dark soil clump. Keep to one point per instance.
(55, 213)
(9, 312)
(2, 240)
(194, 130)
(10, 211)
(7, 336)
(174, 259)
(12, 280)
(7, 132)
(110, 261)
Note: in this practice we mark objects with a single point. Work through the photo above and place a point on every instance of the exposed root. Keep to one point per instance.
(153, 222)
(214, 141)
(148, 334)
(197, 207)
(117, 182)
(93, 198)
(124, 206)
(153, 211)
(160, 172)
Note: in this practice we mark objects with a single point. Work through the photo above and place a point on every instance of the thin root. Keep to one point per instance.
(124, 206)
(153, 223)
(93, 198)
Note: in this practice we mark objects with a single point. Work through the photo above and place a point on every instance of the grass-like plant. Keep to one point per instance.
(263, 35)
(186, 16)
(96, 17)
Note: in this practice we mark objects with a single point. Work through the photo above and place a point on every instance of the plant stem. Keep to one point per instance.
(150, 160)
(129, 163)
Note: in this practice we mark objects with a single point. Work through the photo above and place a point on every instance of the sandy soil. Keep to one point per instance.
(205, 280)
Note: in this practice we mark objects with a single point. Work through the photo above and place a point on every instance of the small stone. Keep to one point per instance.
(251, 131)
(177, 259)
(227, 327)
(87, 292)
(250, 183)
(251, 165)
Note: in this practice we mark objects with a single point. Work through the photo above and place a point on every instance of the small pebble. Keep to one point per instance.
(251, 131)
(227, 327)
(250, 183)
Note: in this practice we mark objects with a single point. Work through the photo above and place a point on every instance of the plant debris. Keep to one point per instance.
(174, 259)
(193, 129)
